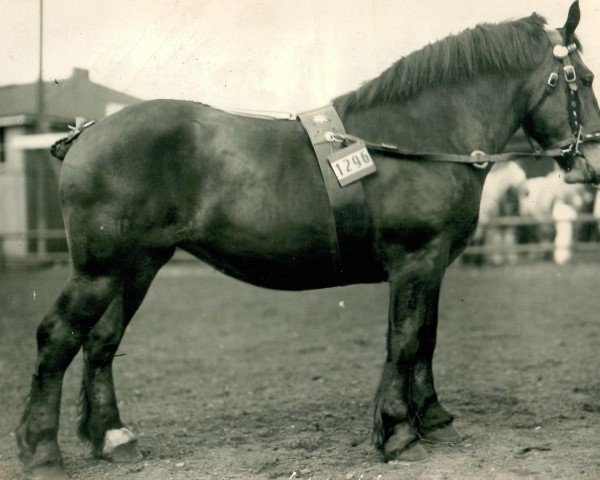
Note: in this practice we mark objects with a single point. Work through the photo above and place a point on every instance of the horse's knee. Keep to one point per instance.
(57, 345)
(82, 302)
(64, 328)
(52, 329)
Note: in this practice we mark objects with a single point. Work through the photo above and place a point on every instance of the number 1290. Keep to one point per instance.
(349, 164)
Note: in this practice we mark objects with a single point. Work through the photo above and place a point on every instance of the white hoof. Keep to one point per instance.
(113, 439)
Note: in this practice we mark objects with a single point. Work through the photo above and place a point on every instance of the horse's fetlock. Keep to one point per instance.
(435, 416)
(23, 445)
(394, 409)
(37, 448)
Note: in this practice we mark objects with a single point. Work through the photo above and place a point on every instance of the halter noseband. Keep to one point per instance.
(569, 146)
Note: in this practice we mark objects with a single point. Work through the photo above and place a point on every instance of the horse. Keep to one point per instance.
(246, 195)
(541, 198)
(499, 198)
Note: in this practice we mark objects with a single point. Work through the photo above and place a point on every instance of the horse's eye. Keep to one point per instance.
(588, 80)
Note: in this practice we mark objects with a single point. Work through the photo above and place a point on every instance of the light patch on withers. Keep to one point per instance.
(115, 438)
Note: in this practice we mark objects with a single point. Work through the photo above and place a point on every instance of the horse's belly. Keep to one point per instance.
(269, 264)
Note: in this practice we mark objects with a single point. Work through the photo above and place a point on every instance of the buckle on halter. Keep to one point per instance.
(570, 75)
(480, 165)
(560, 52)
(552, 80)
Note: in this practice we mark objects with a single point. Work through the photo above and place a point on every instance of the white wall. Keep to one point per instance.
(13, 193)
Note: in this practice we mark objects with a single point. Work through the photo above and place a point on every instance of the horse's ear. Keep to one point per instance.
(572, 21)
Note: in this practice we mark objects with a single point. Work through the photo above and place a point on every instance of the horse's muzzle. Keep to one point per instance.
(586, 169)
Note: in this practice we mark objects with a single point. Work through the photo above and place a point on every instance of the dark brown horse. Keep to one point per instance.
(246, 195)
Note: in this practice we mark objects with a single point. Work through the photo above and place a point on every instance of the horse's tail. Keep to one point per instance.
(61, 147)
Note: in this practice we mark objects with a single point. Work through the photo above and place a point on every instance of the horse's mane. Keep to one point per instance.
(487, 48)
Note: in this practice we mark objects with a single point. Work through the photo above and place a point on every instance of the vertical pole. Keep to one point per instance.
(41, 223)
(40, 200)
(40, 82)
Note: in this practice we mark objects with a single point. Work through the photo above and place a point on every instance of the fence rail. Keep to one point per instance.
(43, 256)
(35, 235)
(523, 248)
(528, 221)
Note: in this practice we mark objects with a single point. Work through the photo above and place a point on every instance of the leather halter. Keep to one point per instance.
(565, 149)
(570, 145)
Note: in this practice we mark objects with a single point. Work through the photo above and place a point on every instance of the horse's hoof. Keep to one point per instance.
(403, 446)
(445, 434)
(120, 446)
(413, 453)
(127, 453)
(50, 472)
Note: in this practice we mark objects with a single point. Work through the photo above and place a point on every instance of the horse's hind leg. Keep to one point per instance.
(100, 420)
(59, 337)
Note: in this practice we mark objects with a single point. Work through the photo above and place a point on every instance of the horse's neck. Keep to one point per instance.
(479, 115)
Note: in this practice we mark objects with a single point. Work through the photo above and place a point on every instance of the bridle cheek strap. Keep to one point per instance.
(568, 146)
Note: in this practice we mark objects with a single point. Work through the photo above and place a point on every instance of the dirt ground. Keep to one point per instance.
(228, 381)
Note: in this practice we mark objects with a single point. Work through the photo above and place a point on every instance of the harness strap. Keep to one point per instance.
(351, 229)
(467, 159)
(395, 151)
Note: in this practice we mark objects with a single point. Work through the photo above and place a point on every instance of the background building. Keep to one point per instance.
(28, 173)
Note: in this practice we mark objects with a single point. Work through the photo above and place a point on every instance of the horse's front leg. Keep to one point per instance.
(414, 280)
(431, 420)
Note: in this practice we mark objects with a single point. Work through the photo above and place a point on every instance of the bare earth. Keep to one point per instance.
(225, 380)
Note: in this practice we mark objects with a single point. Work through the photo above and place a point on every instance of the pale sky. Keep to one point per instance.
(281, 55)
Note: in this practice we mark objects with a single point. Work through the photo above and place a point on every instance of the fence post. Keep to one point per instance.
(41, 212)
(564, 215)
(2, 255)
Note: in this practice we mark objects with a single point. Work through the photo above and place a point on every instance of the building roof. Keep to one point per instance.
(66, 99)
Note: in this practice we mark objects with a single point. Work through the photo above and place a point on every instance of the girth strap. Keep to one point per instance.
(352, 227)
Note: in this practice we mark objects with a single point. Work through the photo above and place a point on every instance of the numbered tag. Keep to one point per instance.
(352, 163)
